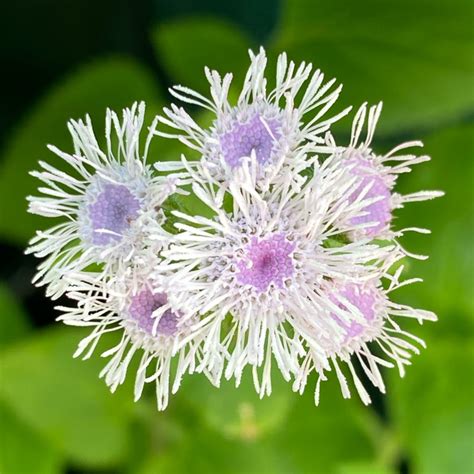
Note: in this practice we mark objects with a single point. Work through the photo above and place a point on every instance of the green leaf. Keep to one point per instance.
(363, 468)
(186, 46)
(63, 399)
(23, 451)
(13, 320)
(186, 439)
(113, 83)
(337, 431)
(238, 412)
(206, 452)
(272, 435)
(433, 409)
(415, 55)
(447, 286)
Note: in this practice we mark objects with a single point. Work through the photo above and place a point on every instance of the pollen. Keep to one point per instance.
(112, 212)
(258, 134)
(267, 261)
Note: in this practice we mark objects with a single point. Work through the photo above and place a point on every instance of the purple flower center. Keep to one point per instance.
(380, 211)
(266, 261)
(142, 307)
(257, 134)
(111, 213)
(363, 299)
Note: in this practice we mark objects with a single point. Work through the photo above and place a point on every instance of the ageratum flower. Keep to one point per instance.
(267, 125)
(372, 337)
(139, 310)
(378, 176)
(104, 200)
(289, 256)
(264, 265)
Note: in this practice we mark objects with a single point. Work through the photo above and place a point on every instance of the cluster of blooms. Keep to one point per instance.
(287, 255)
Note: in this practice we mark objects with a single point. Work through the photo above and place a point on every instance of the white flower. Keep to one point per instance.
(104, 201)
(378, 176)
(268, 125)
(371, 335)
(149, 327)
(292, 258)
(266, 263)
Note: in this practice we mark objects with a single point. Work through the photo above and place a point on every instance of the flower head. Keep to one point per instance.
(112, 212)
(368, 334)
(293, 261)
(266, 261)
(377, 176)
(268, 125)
(105, 201)
(149, 327)
(142, 307)
(266, 264)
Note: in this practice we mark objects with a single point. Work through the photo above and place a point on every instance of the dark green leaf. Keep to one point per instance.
(415, 55)
(13, 321)
(186, 46)
(433, 409)
(447, 287)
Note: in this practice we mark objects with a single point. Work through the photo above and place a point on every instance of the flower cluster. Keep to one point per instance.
(274, 246)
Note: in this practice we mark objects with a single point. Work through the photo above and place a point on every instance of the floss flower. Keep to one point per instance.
(290, 260)
(104, 201)
(373, 338)
(266, 263)
(265, 124)
(138, 309)
(379, 177)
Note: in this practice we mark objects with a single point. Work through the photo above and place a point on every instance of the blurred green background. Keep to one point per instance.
(64, 58)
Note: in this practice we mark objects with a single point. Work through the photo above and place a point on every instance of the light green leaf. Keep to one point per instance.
(433, 409)
(415, 55)
(238, 412)
(113, 83)
(287, 434)
(63, 399)
(13, 320)
(206, 452)
(364, 468)
(186, 46)
(336, 432)
(22, 451)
